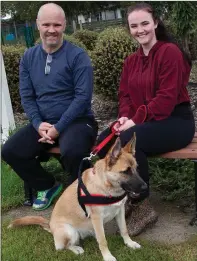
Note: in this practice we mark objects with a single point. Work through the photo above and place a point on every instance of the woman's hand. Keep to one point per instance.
(126, 125)
(120, 122)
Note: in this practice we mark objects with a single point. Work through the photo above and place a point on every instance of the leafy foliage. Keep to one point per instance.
(11, 56)
(184, 15)
(175, 178)
(184, 18)
(28, 10)
(113, 46)
(88, 38)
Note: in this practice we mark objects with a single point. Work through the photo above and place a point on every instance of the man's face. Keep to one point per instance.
(51, 26)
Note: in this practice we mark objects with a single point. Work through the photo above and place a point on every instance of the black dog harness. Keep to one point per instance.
(89, 199)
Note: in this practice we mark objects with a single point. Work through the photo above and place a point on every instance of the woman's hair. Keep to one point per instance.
(161, 31)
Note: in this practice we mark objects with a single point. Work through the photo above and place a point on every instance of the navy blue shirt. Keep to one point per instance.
(62, 95)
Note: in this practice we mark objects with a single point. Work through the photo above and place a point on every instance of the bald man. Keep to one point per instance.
(56, 85)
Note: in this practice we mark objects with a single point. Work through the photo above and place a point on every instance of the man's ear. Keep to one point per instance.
(114, 152)
(130, 146)
(37, 23)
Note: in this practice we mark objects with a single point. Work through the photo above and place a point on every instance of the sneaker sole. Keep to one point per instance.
(52, 198)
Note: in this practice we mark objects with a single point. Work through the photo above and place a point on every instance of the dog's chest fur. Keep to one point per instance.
(108, 213)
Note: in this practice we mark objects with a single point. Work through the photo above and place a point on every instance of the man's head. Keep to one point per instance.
(51, 23)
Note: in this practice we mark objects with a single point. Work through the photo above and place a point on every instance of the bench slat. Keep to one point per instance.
(185, 153)
(189, 152)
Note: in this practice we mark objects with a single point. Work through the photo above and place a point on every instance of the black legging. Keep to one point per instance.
(156, 137)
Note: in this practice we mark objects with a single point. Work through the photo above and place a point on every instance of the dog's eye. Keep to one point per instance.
(127, 171)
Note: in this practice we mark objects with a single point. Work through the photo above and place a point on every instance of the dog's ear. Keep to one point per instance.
(114, 152)
(130, 146)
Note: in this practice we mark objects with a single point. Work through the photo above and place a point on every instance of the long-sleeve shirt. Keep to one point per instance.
(151, 86)
(62, 95)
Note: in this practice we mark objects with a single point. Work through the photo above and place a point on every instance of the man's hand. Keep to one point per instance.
(42, 130)
(52, 133)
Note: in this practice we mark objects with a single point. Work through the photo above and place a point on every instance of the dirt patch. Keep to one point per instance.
(172, 227)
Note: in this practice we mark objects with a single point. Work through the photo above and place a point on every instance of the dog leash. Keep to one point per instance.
(97, 148)
(89, 199)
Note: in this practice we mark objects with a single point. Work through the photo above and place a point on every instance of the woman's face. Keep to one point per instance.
(142, 27)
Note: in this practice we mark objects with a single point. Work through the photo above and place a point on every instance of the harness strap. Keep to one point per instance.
(92, 199)
(89, 199)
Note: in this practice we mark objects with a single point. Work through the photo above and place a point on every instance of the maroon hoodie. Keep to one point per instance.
(151, 86)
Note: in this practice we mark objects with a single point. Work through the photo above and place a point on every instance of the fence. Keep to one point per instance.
(101, 25)
(25, 34)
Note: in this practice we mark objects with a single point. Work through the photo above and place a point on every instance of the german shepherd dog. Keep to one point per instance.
(111, 176)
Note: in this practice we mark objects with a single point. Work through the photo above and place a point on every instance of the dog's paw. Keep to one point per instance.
(109, 257)
(76, 250)
(133, 244)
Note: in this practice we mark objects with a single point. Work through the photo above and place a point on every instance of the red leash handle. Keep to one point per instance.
(105, 141)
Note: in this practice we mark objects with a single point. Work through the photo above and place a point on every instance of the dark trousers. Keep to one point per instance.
(22, 149)
(156, 137)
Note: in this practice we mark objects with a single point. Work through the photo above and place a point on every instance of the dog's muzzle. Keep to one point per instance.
(134, 186)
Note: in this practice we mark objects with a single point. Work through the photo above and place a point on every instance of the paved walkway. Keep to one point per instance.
(171, 228)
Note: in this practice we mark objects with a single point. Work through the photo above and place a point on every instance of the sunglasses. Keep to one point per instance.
(47, 66)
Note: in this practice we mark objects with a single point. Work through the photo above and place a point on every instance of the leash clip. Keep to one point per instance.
(90, 157)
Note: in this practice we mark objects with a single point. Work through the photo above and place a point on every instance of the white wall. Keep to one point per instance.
(7, 117)
(118, 14)
(81, 18)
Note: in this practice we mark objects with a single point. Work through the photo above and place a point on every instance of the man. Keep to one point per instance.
(56, 84)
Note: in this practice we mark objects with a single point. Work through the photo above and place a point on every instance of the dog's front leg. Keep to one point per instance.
(97, 222)
(120, 219)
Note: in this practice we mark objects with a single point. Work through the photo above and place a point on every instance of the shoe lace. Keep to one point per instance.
(41, 194)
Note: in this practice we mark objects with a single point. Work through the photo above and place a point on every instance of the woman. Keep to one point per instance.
(153, 103)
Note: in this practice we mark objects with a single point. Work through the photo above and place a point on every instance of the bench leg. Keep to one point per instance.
(194, 220)
(28, 195)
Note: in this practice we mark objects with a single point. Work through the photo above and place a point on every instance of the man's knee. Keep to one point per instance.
(7, 153)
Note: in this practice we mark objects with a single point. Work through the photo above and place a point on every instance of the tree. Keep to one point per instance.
(184, 18)
(27, 11)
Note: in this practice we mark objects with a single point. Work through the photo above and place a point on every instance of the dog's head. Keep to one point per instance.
(121, 168)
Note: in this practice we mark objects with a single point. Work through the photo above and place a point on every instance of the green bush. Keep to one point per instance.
(174, 178)
(87, 37)
(71, 39)
(11, 56)
(113, 46)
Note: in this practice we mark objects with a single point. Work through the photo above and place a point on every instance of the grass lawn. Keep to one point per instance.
(11, 188)
(35, 244)
(12, 192)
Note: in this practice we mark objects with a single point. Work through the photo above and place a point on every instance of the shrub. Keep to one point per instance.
(11, 56)
(87, 37)
(174, 178)
(71, 39)
(113, 46)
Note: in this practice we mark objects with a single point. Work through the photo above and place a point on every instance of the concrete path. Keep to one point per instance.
(172, 227)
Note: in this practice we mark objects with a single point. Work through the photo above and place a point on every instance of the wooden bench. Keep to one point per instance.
(189, 152)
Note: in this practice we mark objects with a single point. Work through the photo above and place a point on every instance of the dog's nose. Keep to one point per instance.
(144, 187)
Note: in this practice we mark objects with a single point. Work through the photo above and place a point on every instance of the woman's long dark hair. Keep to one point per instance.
(161, 31)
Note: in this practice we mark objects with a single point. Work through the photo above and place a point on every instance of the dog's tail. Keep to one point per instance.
(31, 220)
